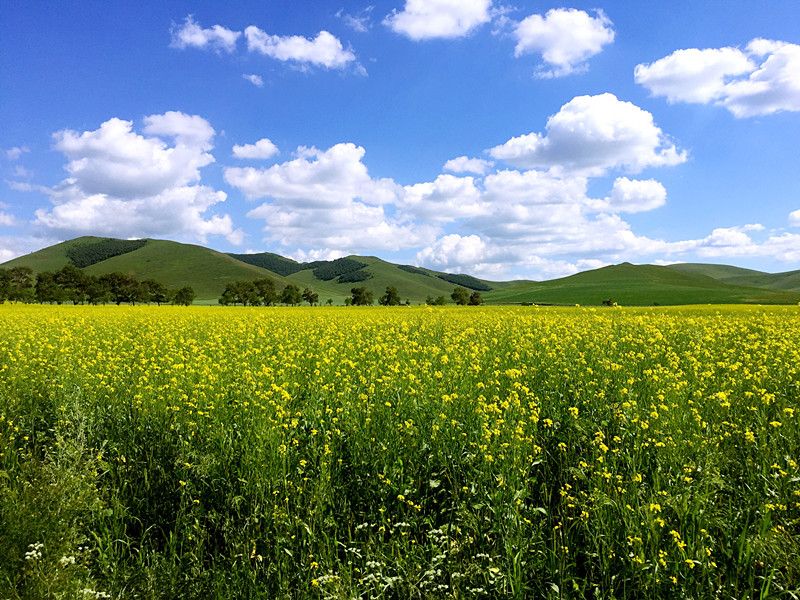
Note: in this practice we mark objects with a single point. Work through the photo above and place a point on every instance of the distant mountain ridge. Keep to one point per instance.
(208, 271)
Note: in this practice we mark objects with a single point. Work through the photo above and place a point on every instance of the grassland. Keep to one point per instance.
(399, 453)
(177, 265)
(640, 285)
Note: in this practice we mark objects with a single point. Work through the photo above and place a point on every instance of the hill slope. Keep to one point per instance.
(171, 263)
(53, 257)
(208, 271)
(414, 284)
(176, 265)
(788, 281)
(630, 284)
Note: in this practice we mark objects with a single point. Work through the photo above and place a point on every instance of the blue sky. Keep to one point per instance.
(507, 140)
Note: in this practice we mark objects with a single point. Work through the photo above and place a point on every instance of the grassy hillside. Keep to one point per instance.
(630, 284)
(208, 271)
(412, 286)
(176, 265)
(721, 272)
(51, 258)
(788, 281)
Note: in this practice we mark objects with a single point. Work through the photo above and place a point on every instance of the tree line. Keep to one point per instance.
(264, 292)
(70, 284)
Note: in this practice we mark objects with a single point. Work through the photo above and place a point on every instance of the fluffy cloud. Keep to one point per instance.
(179, 211)
(443, 200)
(262, 149)
(256, 80)
(316, 178)
(116, 161)
(127, 184)
(190, 131)
(760, 80)
(454, 252)
(429, 19)
(693, 75)
(565, 38)
(191, 35)
(326, 198)
(739, 241)
(464, 164)
(794, 218)
(634, 195)
(325, 50)
(593, 134)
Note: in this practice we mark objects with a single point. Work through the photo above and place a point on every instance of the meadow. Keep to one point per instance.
(492, 452)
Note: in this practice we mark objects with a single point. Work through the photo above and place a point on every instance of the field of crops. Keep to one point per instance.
(399, 453)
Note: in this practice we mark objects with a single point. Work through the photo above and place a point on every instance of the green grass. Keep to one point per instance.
(177, 265)
(638, 285)
(207, 271)
(51, 258)
(788, 281)
(411, 286)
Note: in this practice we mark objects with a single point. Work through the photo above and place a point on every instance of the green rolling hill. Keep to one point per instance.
(208, 271)
(788, 281)
(171, 263)
(639, 285)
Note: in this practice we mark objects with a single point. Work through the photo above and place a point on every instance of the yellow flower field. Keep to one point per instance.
(412, 452)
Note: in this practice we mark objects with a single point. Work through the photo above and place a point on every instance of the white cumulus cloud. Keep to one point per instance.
(430, 19)
(564, 37)
(128, 184)
(794, 218)
(634, 195)
(325, 50)
(454, 252)
(327, 199)
(762, 79)
(262, 149)
(445, 199)
(593, 134)
(192, 35)
(464, 164)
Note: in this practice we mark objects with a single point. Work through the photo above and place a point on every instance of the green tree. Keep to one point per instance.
(5, 285)
(291, 294)
(97, 292)
(265, 288)
(47, 290)
(391, 297)
(21, 284)
(460, 296)
(310, 296)
(184, 296)
(361, 296)
(240, 292)
(156, 292)
(72, 282)
(475, 299)
(122, 288)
